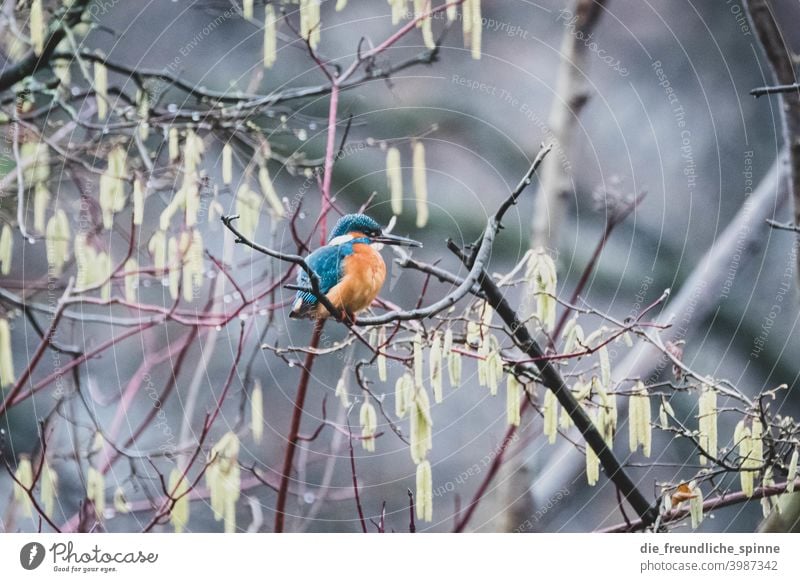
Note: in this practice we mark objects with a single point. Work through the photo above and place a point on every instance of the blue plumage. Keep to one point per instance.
(355, 223)
(327, 262)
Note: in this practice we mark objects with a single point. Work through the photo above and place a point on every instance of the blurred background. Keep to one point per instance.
(697, 150)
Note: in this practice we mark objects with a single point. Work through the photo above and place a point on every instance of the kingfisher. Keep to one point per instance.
(350, 269)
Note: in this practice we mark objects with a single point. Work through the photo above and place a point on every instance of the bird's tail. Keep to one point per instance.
(303, 310)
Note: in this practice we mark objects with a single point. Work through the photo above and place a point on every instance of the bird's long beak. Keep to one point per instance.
(391, 239)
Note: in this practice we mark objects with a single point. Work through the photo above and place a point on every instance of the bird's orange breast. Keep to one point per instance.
(364, 274)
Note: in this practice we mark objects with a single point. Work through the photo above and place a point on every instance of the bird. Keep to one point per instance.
(349, 268)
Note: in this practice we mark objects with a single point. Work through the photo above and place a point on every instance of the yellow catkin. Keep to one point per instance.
(372, 338)
(112, 185)
(582, 389)
(466, 22)
(223, 478)
(310, 21)
(435, 368)
(157, 246)
(398, 10)
(193, 151)
(192, 265)
(757, 455)
(178, 487)
(103, 275)
(476, 30)
(101, 88)
(513, 394)
(178, 201)
(570, 335)
(634, 404)
(742, 437)
(394, 178)
(257, 412)
(381, 359)
(639, 428)
(424, 501)
(96, 491)
(418, 359)
(23, 484)
(708, 423)
(541, 272)
(420, 184)
(696, 507)
(6, 249)
(341, 392)
(605, 367)
(248, 207)
(447, 343)
(175, 270)
(422, 7)
(474, 336)
(270, 37)
(81, 250)
(664, 412)
(564, 419)
(121, 504)
(791, 473)
(369, 424)
(37, 26)
(227, 163)
(138, 202)
(592, 461)
(453, 359)
(646, 427)
(173, 144)
(131, 280)
(421, 434)
(452, 11)
(607, 417)
(143, 108)
(403, 393)
(49, 491)
(767, 501)
(454, 368)
(190, 187)
(41, 202)
(39, 154)
(268, 190)
(550, 412)
(494, 370)
(98, 443)
(419, 10)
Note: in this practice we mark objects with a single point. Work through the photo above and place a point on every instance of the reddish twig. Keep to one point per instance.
(294, 428)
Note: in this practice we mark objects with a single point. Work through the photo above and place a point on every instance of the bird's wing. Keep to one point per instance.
(327, 263)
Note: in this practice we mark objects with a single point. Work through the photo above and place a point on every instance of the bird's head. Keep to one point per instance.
(352, 226)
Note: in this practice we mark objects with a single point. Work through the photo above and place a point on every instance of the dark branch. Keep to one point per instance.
(31, 62)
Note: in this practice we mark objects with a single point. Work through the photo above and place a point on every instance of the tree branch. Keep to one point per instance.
(68, 17)
(779, 54)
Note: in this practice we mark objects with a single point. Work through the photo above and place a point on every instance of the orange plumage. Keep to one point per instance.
(364, 274)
